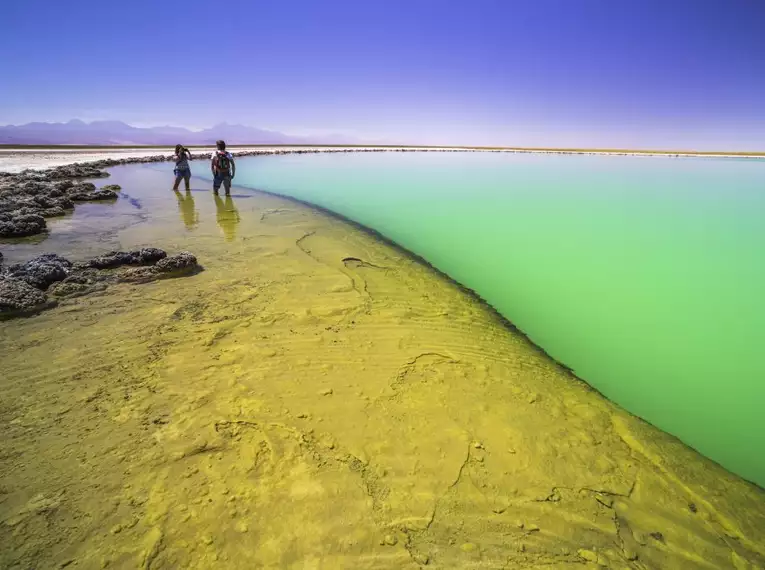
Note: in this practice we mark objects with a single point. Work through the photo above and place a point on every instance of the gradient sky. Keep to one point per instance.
(618, 73)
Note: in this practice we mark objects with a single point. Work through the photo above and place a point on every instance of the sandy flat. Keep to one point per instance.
(318, 399)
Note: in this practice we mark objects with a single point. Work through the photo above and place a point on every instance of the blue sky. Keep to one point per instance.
(619, 73)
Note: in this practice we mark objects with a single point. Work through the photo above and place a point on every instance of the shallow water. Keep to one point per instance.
(318, 399)
(643, 274)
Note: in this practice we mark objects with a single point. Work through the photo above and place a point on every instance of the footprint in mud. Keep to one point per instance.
(356, 263)
(356, 273)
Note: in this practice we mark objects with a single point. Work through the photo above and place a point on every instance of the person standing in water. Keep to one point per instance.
(182, 169)
(223, 168)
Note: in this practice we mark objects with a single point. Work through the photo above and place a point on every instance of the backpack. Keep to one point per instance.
(222, 162)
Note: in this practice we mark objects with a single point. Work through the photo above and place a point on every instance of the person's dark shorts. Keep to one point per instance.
(182, 174)
(224, 179)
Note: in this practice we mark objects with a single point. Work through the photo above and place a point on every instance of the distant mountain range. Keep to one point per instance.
(77, 132)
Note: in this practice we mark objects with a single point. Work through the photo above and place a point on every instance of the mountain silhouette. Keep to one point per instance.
(76, 132)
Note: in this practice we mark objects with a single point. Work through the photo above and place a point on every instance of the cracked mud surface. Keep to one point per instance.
(317, 399)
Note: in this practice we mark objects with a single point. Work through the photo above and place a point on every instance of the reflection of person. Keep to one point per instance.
(227, 215)
(223, 168)
(189, 214)
(182, 169)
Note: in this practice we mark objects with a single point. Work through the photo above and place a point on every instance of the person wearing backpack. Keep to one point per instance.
(223, 168)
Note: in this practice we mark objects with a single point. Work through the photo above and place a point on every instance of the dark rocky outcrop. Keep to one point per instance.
(93, 196)
(81, 282)
(21, 224)
(179, 263)
(18, 298)
(46, 194)
(145, 256)
(183, 263)
(42, 271)
(53, 212)
(74, 171)
(27, 288)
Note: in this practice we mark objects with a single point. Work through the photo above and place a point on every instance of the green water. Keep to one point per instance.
(643, 274)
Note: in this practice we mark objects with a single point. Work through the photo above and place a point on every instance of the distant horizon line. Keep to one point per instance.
(594, 150)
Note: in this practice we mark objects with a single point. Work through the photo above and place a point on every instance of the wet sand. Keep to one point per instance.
(317, 398)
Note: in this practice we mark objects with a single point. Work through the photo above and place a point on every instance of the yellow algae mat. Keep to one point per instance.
(317, 399)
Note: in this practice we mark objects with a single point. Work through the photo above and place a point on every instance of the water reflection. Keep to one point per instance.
(189, 213)
(227, 216)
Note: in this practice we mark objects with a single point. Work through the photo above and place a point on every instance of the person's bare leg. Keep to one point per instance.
(187, 180)
(177, 183)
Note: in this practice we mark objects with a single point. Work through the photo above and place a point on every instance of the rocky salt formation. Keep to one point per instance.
(18, 298)
(31, 287)
(29, 197)
(179, 264)
(21, 224)
(145, 256)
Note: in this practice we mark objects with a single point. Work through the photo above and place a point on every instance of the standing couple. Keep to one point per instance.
(222, 166)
